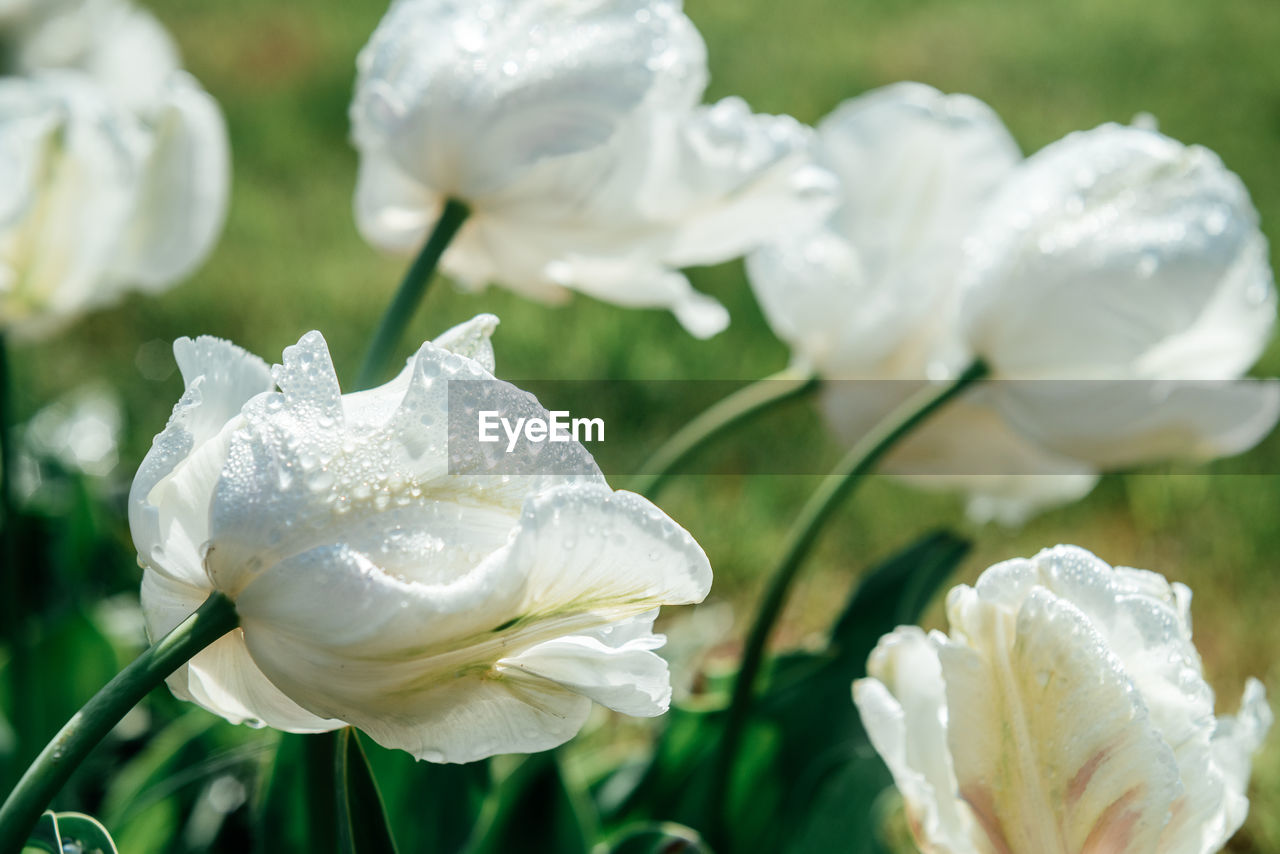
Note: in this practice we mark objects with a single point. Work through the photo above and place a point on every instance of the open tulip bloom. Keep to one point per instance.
(573, 134)
(115, 168)
(1120, 273)
(1064, 712)
(453, 615)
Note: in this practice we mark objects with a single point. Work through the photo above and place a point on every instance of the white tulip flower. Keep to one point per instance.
(97, 201)
(1116, 256)
(452, 615)
(572, 132)
(1066, 711)
(121, 46)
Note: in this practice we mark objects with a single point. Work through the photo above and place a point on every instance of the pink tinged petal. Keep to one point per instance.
(170, 495)
(1108, 245)
(182, 199)
(903, 708)
(1129, 422)
(1053, 747)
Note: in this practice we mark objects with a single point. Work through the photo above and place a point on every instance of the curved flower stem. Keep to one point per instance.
(744, 403)
(860, 461)
(412, 287)
(67, 750)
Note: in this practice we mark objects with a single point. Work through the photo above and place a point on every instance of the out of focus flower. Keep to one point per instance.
(81, 431)
(1065, 711)
(453, 615)
(573, 132)
(97, 201)
(122, 47)
(1109, 262)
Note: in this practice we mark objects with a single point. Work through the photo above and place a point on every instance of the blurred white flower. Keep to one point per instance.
(97, 201)
(122, 47)
(453, 615)
(80, 430)
(573, 133)
(1112, 256)
(1066, 711)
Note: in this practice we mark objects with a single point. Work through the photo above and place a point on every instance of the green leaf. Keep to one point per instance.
(57, 833)
(362, 821)
(445, 800)
(655, 837)
(807, 770)
(75, 827)
(45, 835)
(533, 811)
(296, 812)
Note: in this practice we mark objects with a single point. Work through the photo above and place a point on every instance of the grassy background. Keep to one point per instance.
(291, 261)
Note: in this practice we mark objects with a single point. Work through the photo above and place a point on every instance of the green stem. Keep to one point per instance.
(860, 461)
(744, 403)
(412, 287)
(50, 770)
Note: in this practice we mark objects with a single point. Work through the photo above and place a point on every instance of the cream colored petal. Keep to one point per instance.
(903, 708)
(1052, 744)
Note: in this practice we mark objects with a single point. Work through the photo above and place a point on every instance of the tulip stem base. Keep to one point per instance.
(412, 287)
(744, 403)
(858, 462)
(54, 765)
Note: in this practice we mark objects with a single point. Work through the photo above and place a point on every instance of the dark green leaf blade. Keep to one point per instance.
(362, 820)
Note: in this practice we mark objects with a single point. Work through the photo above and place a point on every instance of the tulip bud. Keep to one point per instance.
(454, 614)
(1066, 711)
(572, 134)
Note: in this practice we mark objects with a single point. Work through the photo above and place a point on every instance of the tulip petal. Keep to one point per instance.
(170, 494)
(870, 293)
(1106, 246)
(584, 547)
(182, 200)
(76, 195)
(467, 96)
(731, 179)
(614, 665)
(471, 340)
(903, 708)
(1124, 423)
(412, 664)
(393, 211)
(1053, 747)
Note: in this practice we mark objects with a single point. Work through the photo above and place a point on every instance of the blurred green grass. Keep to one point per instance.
(290, 261)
